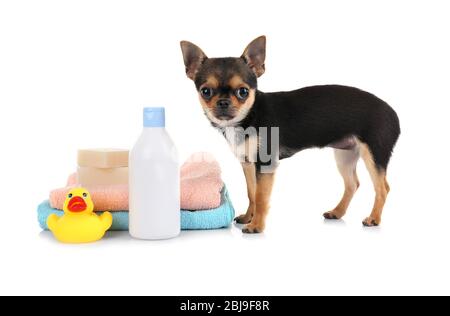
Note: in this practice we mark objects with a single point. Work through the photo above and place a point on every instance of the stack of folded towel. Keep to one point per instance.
(205, 203)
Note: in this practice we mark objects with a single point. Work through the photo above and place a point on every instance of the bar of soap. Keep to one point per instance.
(89, 176)
(103, 158)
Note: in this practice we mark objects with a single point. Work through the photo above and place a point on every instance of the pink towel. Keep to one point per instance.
(200, 183)
(105, 198)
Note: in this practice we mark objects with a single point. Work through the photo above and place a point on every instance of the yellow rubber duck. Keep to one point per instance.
(79, 224)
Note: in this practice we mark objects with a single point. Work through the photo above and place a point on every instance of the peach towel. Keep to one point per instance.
(200, 187)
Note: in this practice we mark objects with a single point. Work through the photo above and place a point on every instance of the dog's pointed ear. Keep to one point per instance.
(193, 58)
(255, 55)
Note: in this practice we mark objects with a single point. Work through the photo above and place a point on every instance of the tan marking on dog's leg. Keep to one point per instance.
(355, 176)
(264, 184)
(250, 178)
(380, 185)
(388, 188)
(346, 161)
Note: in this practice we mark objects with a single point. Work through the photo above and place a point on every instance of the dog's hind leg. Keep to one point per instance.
(346, 161)
(380, 184)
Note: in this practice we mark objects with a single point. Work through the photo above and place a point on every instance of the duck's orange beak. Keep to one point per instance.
(77, 204)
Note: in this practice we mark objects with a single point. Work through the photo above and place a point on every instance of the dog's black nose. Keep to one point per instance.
(223, 104)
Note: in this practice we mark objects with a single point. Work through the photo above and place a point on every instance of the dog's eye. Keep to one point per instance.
(242, 93)
(207, 93)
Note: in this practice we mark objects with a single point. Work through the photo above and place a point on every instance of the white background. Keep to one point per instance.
(76, 74)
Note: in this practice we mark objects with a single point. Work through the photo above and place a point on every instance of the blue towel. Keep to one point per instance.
(205, 219)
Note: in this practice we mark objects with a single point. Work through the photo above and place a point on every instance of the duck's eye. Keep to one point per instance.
(70, 195)
(242, 93)
(85, 195)
(206, 93)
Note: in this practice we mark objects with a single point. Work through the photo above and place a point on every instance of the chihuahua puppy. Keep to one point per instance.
(355, 123)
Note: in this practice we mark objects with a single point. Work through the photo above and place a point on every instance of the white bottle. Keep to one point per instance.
(154, 181)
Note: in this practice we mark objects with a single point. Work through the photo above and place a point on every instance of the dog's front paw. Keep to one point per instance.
(243, 219)
(334, 214)
(371, 222)
(252, 229)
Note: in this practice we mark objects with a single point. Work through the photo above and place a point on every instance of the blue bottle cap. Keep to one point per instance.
(154, 117)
